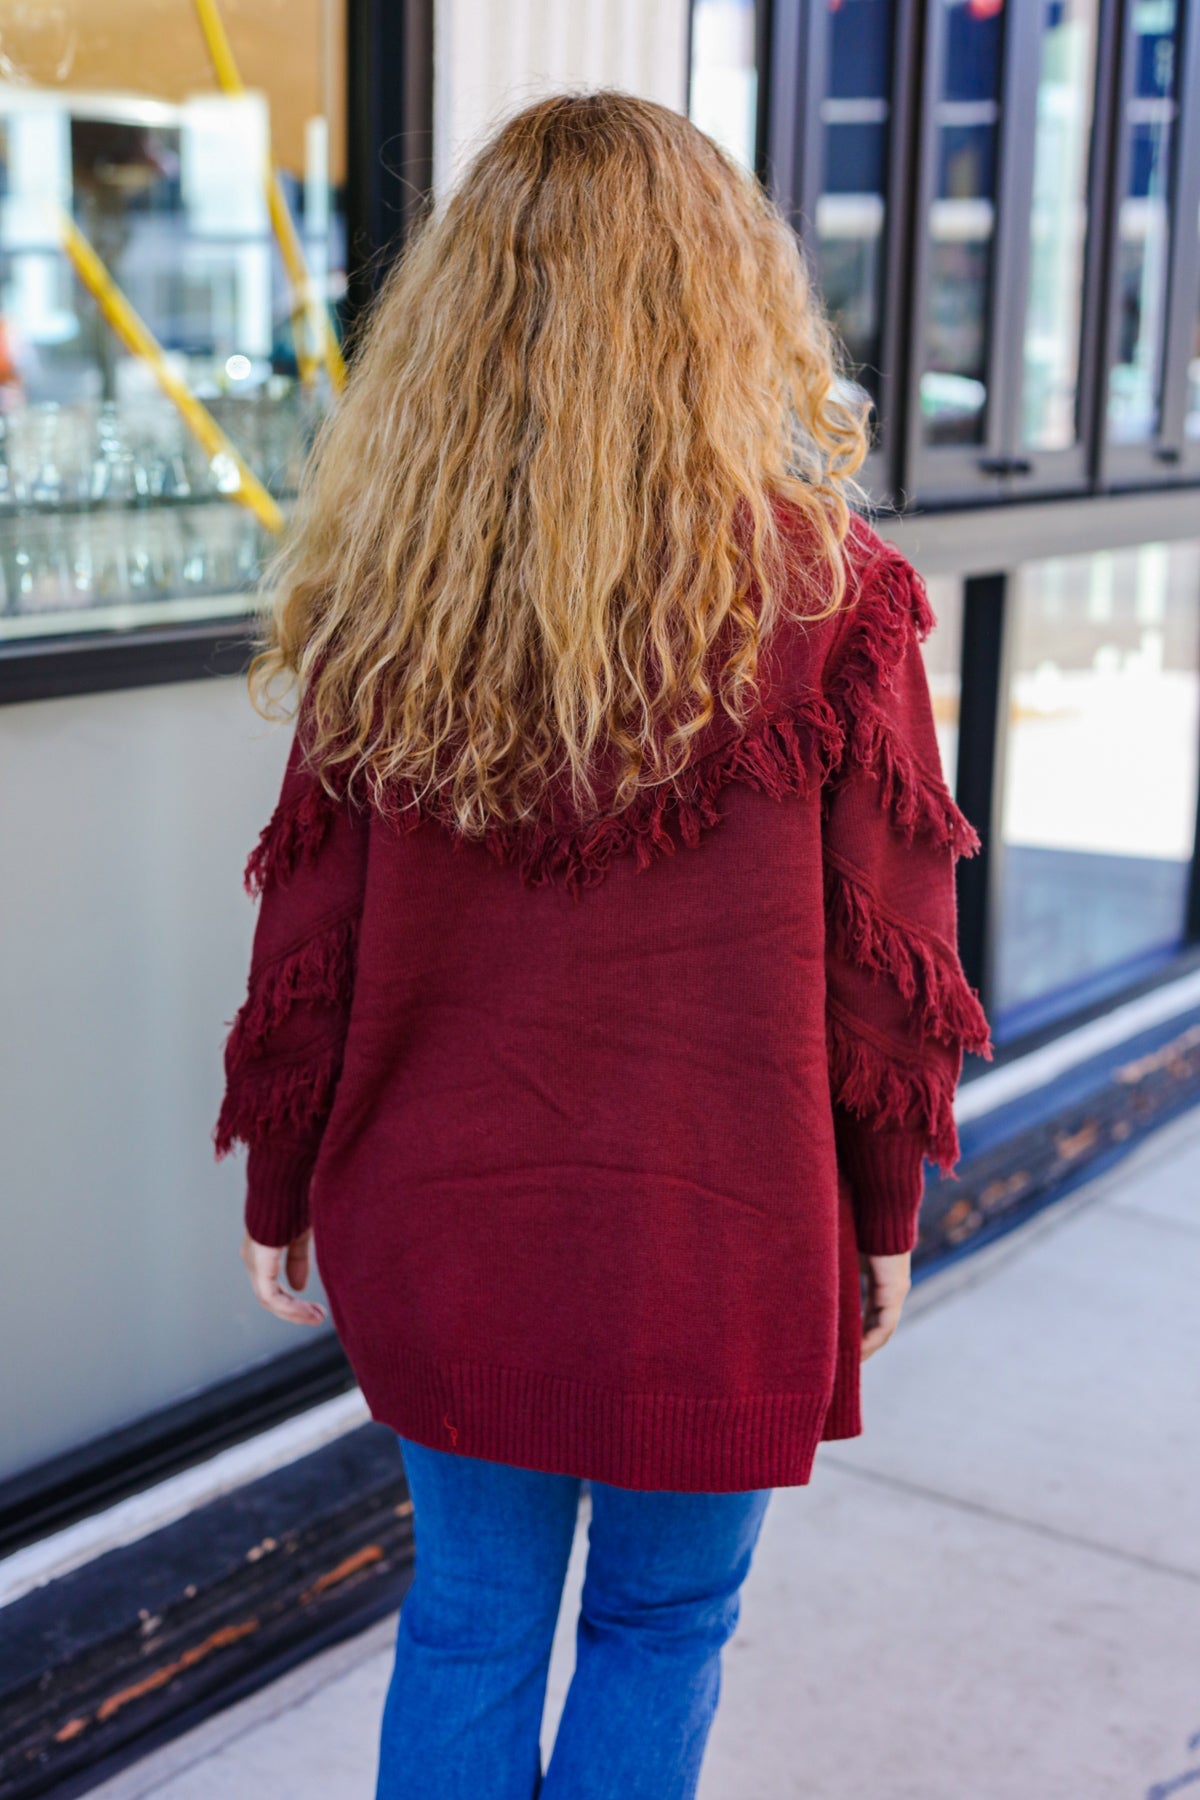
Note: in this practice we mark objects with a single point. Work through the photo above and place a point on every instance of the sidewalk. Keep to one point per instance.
(993, 1595)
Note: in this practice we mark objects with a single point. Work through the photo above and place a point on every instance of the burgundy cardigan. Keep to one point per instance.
(591, 1123)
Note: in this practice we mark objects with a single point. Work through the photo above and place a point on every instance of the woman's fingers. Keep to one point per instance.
(881, 1329)
(887, 1280)
(265, 1262)
(298, 1261)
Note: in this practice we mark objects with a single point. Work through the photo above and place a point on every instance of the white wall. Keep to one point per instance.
(124, 943)
(492, 57)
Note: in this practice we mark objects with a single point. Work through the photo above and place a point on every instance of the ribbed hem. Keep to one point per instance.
(677, 1442)
(277, 1183)
(844, 1418)
(887, 1179)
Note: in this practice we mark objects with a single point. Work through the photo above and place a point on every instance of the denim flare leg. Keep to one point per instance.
(661, 1596)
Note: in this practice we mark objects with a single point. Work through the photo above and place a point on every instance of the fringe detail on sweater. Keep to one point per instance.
(877, 1087)
(891, 612)
(322, 968)
(926, 971)
(787, 754)
(271, 1102)
(293, 834)
(262, 1101)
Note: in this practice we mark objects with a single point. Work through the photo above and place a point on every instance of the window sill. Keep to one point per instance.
(144, 655)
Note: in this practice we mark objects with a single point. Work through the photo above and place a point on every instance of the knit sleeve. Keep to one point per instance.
(899, 1010)
(284, 1049)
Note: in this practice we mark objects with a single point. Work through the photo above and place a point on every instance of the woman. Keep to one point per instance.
(604, 999)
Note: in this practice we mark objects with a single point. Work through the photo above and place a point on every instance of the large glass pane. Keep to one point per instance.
(1099, 802)
(723, 96)
(855, 112)
(1144, 222)
(962, 221)
(171, 256)
(1058, 224)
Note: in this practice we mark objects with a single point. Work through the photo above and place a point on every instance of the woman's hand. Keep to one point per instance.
(264, 1263)
(887, 1281)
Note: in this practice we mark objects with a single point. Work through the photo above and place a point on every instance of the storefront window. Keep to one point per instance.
(855, 113)
(1058, 224)
(171, 258)
(1149, 130)
(724, 75)
(1099, 802)
(962, 222)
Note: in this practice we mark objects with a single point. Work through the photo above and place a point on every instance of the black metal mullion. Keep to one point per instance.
(389, 148)
(922, 147)
(764, 50)
(689, 51)
(1191, 909)
(1183, 293)
(979, 780)
(1116, 167)
(900, 227)
(1191, 915)
(780, 111)
(1091, 405)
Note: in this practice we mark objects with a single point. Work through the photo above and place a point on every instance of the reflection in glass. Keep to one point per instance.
(1058, 225)
(723, 95)
(1191, 422)
(943, 664)
(111, 511)
(1144, 223)
(855, 111)
(962, 221)
(1099, 800)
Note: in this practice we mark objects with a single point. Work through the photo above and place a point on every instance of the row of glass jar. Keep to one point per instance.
(91, 453)
(62, 562)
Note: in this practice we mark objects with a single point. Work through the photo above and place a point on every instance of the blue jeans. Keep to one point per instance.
(661, 1595)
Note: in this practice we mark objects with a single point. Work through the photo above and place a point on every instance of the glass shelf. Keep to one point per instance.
(129, 615)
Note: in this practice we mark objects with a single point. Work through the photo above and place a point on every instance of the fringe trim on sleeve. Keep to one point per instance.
(791, 753)
(291, 1097)
(926, 970)
(875, 1085)
(890, 611)
(293, 834)
(265, 1100)
(322, 968)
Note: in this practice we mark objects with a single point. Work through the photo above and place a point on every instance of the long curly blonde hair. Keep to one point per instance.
(539, 527)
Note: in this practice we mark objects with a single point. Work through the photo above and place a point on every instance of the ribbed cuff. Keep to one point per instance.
(277, 1182)
(886, 1170)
